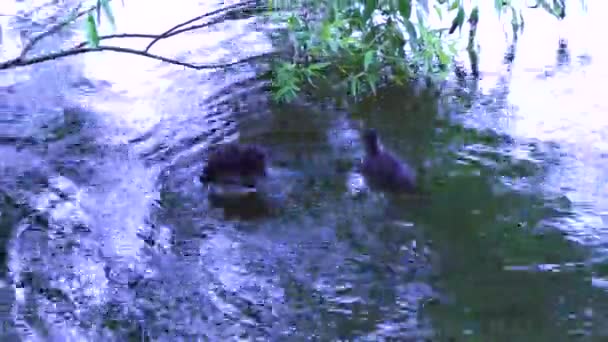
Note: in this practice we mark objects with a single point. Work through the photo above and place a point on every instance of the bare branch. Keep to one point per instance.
(190, 28)
(119, 35)
(223, 9)
(19, 62)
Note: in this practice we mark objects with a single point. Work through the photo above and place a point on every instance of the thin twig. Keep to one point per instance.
(190, 21)
(55, 28)
(19, 62)
(175, 32)
(119, 35)
(191, 28)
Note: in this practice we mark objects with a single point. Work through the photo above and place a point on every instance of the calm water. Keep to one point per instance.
(108, 234)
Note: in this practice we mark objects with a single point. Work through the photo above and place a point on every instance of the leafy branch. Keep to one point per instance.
(93, 42)
(366, 44)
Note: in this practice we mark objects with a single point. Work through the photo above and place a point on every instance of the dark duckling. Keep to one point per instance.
(235, 164)
(383, 170)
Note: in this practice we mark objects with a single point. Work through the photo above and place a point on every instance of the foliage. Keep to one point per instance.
(357, 45)
(365, 44)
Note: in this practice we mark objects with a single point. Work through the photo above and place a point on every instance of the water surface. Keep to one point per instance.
(108, 234)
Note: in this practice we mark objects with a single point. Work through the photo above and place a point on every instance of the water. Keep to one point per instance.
(108, 235)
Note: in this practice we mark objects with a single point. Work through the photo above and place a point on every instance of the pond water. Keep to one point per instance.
(107, 233)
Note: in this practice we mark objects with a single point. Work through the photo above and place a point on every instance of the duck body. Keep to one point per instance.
(235, 164)
(237, 179)
(383, 170)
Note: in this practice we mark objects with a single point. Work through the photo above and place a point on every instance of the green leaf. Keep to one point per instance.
(438, 11)
(92, 35)
(372, 80)
(498, 5)
(318, 66)
(285, 94)
(354, 86)
(454, 5)
(108, 12)
(292, 23)
(444, 58)
(459, 19)
(368, 58)
(558, 9)
(326, 32)
(546, 6)
(405, 8)
(474, 16)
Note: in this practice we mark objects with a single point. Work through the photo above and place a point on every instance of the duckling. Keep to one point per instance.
(383, 170)
(235, 164)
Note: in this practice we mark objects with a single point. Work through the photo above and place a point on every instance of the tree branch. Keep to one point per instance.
(83, 47)
(19, 62)
(167, 33)
(119, 35)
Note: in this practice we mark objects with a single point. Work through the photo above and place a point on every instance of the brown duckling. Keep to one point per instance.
(235, 164)
(383, 170)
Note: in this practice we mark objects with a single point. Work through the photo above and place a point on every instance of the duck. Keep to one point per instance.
(235, 165)
(383, 170)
